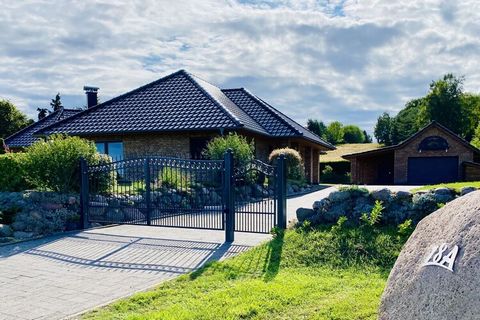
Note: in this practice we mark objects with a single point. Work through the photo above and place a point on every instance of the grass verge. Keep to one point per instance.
(455, 185)
(333, 272)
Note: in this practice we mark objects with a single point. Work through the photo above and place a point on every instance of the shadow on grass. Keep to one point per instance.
(259, 262)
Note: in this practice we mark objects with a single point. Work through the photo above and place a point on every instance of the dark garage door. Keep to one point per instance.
(431, 170)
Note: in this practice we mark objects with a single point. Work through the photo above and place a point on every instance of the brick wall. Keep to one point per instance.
(471, 172)
(411, 150)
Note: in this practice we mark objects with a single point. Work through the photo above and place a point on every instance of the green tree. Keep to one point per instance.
(368, 138)
(471, 107)
(11, 119)
(335, 132)
(42, 113)
(476, 137)
(317, 127)
(406, 122)
(383, 129)
(353, 134)
(443, 103)
(56, 103)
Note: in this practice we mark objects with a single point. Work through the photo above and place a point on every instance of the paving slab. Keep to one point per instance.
(60, 276)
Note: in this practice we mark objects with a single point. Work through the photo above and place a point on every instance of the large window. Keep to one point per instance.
(113, 148)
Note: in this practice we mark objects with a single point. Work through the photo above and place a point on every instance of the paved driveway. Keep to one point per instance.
(306, 201)
(60, 276)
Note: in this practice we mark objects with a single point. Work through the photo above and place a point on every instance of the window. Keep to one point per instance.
(113, 149)
(197, 145)
(433, 143)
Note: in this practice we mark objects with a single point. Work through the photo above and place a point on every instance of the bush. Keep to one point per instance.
(243, 151)
(295, 168)
(175, 178)
(12, 172)
(54, 164)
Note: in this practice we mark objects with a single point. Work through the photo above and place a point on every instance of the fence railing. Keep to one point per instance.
(177, 192)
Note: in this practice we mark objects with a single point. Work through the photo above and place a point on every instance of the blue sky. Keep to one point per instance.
(331, 60)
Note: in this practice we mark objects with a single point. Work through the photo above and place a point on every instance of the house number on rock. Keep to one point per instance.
(441, 258)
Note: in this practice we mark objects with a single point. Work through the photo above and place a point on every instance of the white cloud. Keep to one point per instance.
(334, 60)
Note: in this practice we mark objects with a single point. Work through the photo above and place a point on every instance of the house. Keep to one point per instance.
(432, 155)
(177, 115)
(25, 137)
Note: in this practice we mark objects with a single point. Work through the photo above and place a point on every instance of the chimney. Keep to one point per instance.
(92, 99)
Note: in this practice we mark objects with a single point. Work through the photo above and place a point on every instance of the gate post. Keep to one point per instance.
(147, 189)
(84, 193)
(282, 192)
(229, 196)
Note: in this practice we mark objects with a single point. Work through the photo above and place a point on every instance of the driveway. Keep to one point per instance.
(60, 276)
(306, 201)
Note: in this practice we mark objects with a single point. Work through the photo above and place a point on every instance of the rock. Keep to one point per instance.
(418, 291)
(403, 195)
(443, 195)
(72, 200)
(466, 190)
(22, 235)
(18, 225)
(337, 196)
(290, 190)
(324, 203)
(384, 195)
(304, 213)
(5, 230)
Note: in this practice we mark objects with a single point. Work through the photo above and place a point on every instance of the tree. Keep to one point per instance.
(42, 113)
(11, 119)
(476, 137)
(317, 127)
(353, 134)
(443, 103)
(406, 122)
(56, 103)
(383, 129)
(335, 132)
(368, 138)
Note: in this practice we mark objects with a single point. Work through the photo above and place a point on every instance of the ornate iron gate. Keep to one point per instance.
(175, 192)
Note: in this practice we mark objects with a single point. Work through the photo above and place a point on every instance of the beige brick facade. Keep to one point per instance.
(178, 145)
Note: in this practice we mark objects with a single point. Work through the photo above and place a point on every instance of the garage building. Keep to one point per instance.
(432, 155)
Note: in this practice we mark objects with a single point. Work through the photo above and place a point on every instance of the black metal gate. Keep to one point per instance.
(175, 192)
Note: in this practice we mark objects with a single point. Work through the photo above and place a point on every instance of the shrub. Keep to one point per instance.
(175, 178)
(295, 168)
(243, 151)
(54, 164)
(375, 215)
(12, 172)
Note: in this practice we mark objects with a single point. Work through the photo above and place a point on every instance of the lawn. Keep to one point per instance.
(336, 155)
(455, 185)
(323, 273)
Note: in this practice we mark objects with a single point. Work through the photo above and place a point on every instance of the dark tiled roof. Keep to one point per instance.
(273, 121)
(182, 101)
(25, 137)
(175, 102)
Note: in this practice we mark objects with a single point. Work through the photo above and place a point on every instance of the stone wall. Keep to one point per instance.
(28, 214)
(411, 150)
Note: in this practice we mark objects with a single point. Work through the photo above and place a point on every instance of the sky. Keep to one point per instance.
(339, 60)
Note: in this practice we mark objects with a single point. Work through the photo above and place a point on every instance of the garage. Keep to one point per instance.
(432, 155)
(432, 170)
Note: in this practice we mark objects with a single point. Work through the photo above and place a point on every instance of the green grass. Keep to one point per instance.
(326, 273)
(342, 149)
(455, 185)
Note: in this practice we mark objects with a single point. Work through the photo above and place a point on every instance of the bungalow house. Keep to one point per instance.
(177, 115)
(433, 155)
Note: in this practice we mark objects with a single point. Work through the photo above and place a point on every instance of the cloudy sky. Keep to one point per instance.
(331, 60)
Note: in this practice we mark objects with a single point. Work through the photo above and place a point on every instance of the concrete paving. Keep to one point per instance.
(60, 276)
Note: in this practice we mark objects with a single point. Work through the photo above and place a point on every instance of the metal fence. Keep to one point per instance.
(184, 193)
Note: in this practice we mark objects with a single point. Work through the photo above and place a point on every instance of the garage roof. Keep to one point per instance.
(405, 142)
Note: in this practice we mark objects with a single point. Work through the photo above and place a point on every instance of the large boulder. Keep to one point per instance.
(304, 214)
(437, 275)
